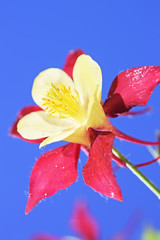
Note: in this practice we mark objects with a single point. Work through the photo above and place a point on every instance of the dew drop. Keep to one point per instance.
(112, 195)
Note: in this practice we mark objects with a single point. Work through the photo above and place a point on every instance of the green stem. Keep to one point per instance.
(140, 175)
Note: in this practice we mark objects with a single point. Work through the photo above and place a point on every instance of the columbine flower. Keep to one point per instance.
(82, 222)
(70, 107)
(87, 227)
(71, 110)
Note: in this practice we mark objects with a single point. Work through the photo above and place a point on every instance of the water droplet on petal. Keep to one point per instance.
(112, 195)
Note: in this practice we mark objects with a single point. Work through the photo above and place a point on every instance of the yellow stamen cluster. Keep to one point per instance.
(61, 101)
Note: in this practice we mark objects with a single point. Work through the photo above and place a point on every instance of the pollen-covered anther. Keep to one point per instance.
(60, 100)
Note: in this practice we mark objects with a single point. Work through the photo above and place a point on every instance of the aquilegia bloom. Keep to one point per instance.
(70, 108)
(82, 222)
(87, 227)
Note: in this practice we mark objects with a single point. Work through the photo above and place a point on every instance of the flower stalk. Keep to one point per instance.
(138, 173)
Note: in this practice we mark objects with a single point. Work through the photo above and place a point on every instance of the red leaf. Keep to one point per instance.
(70, 61)
(98, 173)
(23, 112)
(53, 171)
(130, 88)
(84, 224)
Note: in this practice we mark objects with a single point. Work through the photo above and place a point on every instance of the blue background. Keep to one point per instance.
(36, 35)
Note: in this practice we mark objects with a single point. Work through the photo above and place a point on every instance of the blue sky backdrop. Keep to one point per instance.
(36, 35)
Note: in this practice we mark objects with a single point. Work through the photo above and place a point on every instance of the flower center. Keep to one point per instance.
(60, 100)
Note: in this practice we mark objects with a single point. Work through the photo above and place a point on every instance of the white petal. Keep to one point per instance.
(39, 125)
(75, 135)
(95, 116)
(42, 83)
(87, 77)
(80, 136)
(58, 136)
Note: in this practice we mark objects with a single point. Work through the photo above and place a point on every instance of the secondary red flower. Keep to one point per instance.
(82, 222)
(71, 110)
(87, 227)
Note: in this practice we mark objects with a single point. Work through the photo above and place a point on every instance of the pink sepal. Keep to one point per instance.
(53, 171)
(70, 61)
(84, 224)
(23, 112)
(130, 88)
(98, 173)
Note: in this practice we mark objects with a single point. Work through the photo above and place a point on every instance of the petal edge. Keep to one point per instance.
(97, 172)
(53, 171)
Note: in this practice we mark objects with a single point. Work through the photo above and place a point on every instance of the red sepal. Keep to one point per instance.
(70, 61)
(130, 88)
(84, 224)
(121, 135)
(135, 113)
(118, 160)
(126, 137)
(53, 171)
(23, 112)
(147, 163)
(98, 173)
